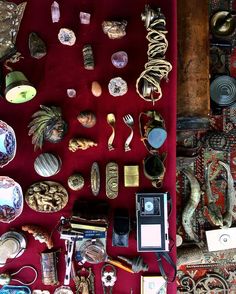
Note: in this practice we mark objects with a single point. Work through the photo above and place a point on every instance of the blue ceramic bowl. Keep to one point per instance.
(7, 143)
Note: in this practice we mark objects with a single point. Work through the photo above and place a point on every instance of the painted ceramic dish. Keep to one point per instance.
(11, 199)
(46, 196)
(7, 143)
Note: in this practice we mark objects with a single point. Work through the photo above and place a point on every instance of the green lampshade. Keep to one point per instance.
(18, 88)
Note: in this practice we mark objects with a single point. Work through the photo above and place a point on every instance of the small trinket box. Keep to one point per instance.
(47, 164)
(131, 175)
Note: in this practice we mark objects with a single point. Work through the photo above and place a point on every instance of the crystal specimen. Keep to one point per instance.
(85, 17)
(66, 37)
(37, 46)
(55, 12)
(117, 87)
(71, 93)
(119, 59)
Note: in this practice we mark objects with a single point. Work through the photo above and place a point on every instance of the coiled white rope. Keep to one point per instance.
(157, 67)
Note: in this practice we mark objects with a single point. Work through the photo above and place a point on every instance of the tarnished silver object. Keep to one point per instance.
(95, 179)
(112, 180)
(129, 121)
(149, 15)
(192, 204)
(88, 57)
(12, 245)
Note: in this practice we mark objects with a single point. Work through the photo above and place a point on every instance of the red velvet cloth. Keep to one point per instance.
(62, 68)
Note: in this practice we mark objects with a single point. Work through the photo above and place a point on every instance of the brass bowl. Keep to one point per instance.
(222, 24)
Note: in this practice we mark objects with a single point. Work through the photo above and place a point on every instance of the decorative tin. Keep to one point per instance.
(47, 164)
(7, 144)
(49, 268)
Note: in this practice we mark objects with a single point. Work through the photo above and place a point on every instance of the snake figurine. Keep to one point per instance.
(192, 204)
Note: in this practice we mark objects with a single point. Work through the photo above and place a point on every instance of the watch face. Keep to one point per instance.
(148, 206)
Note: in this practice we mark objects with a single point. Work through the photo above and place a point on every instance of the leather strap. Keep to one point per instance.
(168, 259)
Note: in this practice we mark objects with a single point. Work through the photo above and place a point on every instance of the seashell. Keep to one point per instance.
(114, 29)
(117, 87)
(66, 37)
(46, 196)
(96, 89)
(47, 124)
(80, 143)
(47, 164)
(119, 59)
(88, 57)
(39, 234)
(87, 119)
(76, 182)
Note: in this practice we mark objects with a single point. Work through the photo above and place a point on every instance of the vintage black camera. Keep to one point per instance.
(152, 222)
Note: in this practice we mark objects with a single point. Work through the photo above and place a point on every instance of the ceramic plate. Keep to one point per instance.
(7, 143)
(46, 196)
(11, 199)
